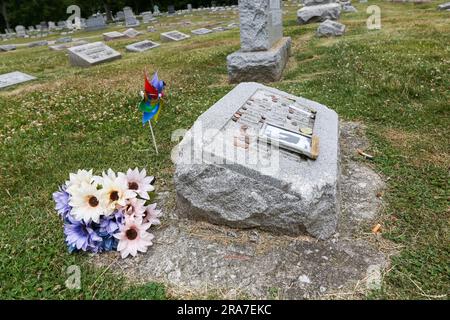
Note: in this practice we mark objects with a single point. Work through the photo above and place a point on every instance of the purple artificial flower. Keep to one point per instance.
(110, 224)
(61, 198)
(81, 236)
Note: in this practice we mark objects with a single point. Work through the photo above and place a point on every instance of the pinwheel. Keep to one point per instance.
(151, 103)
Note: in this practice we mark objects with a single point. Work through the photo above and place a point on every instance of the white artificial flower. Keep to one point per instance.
(77, 179)
(87, 203)
(115, 191)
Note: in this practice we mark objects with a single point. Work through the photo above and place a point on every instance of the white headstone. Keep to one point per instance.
(12, 78)
(130, 18)
(174, 36)
(142, 46)
(113, 35)
(201, 31)
(92, 54)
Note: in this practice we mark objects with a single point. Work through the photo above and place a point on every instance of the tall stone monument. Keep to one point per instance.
(264, 51)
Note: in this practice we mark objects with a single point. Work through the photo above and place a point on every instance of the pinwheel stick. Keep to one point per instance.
(153, 136)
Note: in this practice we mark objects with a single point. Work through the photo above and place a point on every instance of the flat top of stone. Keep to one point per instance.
(113, 34)
(215, 133)
(92, 52)
(175, 35)
(143, 45)
(9, 79)
(201, 31)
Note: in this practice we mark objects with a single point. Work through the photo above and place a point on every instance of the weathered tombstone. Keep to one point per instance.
(330, 28)
(95, 23)
(219, 29)
(12, 78)
(7, 47)
(347, 7)
(318, 11)
(92, 54)
(201, 31)
(142, 46)
(64, 40)
(174, 36)
(113, 35)
(131, 33)
(189, 8)
(264, 51)
(171, 10)
(20, 32)
(253, 160)
(130, 18)
(37, 44)
(147, 17)
(444, 6)
(64, 46)
(156, 11)
(120, 16)
(62, 24)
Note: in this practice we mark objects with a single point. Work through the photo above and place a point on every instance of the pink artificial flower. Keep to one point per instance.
(133, 237)
(152, 215)
(135, 208)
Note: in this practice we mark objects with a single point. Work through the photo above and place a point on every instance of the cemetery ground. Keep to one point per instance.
(395, 81)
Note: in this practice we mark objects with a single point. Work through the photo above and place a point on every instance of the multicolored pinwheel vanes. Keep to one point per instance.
(151, 103)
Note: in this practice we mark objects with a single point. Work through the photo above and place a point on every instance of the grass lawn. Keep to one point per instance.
(395, 80)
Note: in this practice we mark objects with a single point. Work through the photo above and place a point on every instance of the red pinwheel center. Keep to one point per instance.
(93, 201)
(114, 196)
(133, 185)
(131, 234)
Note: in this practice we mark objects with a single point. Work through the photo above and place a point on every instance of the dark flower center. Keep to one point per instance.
(131, 234)
(133, 185)
(114, 196)
(93, 201)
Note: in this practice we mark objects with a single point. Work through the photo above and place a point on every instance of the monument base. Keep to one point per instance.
(260, 66)
(245, 186)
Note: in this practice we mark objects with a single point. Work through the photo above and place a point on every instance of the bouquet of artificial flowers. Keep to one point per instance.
(107, 212)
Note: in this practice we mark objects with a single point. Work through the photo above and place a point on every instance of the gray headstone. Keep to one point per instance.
(261, 24)
(113, 35)
(201, 31)
(189, 8)
(12, 78)
(130, 18)
(21, 32)
(264, 52)
(142, 46)
(444, 6)
(156, 11)
(347, 7)
(317, 2)
(64, 46)
(147, 17)
(174, 36)
(226, 173)
(95, 23)
(120, 16)
(131, 33)
(37, 43)
(7, 47)
(92, 54)
(171, 9)
(64, 40)
(318, 13)
(330, 28)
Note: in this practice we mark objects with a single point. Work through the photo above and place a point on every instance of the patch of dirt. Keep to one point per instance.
(197, 259)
